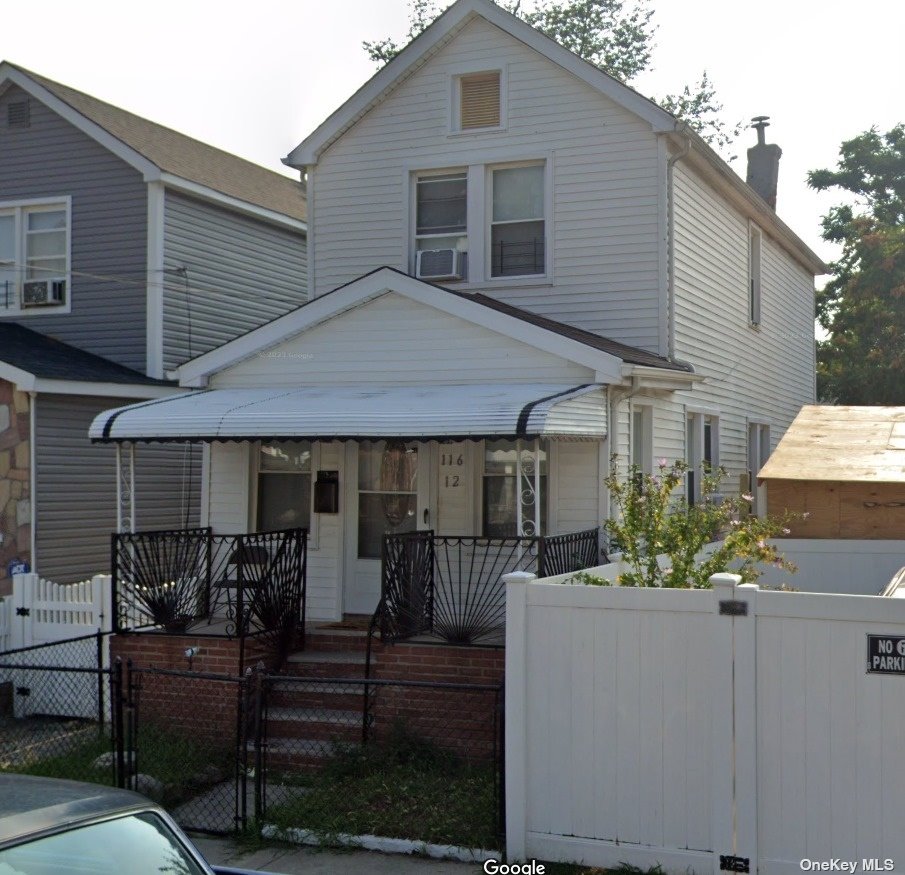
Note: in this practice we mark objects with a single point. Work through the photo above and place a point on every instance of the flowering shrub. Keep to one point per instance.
(653, 520)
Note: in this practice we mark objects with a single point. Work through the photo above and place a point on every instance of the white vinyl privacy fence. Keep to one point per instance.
(736, 729)
(40, 611)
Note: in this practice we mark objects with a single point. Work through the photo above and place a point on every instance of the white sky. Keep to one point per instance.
(255, 78)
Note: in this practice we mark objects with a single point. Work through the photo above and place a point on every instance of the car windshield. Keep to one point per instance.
(140, 844)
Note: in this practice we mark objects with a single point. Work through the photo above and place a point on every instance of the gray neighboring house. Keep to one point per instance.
(126, 248)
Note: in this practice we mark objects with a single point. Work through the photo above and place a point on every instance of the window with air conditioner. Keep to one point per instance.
(34, 257)
(441, 226)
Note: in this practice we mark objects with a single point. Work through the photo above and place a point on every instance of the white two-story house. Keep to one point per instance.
(517, 267)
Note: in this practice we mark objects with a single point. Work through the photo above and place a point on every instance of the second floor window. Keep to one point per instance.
(441, 225)
(754, 279)
(517, 227)
(34, 257)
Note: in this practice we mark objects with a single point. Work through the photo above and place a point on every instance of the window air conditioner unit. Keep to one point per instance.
(439, 264)
(41, 293)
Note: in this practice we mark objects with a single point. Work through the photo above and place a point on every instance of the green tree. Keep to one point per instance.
(614, 35)
(863, 306)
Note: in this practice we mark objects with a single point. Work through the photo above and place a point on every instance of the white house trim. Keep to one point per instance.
(154, 324)
(233, 203)
(384, 280)
(424, 46)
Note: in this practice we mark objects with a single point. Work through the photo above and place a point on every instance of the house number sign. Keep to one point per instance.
(451, 469)
(885, 654)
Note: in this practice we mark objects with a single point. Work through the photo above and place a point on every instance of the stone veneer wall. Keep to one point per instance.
(15, 480)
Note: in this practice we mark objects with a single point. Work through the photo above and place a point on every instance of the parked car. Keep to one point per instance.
(53, 827)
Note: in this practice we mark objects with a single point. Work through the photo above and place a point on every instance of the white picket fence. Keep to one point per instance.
(654, 726)
(43, 612)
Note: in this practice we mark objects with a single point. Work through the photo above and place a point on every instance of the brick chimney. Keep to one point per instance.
(763, 163)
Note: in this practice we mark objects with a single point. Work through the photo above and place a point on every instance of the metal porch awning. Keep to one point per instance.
(525, 410)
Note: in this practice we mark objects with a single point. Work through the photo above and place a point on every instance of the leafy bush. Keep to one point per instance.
(653, 520)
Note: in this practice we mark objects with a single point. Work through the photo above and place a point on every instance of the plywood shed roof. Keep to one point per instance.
(843, 444)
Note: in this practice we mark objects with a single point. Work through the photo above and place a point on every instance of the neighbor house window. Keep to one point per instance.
(511, 493)
(479, 100)
(34, 256)
(758, 453)
(754, 274)
(441, 225)
(517, 222)
(701, 450)
(642, 443)
(284, 485)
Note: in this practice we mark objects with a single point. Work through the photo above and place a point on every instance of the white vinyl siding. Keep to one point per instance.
(229, 512)
(395, 341)
(603, 162)
(574, 486)
(764, 375)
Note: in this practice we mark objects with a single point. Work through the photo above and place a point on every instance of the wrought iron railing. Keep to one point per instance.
(451, 586)
(177, 580)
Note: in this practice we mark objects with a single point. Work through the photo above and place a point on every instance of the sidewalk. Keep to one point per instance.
(289, 860)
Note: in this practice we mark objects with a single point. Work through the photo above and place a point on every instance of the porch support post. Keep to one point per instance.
(119, 488)
(519, 479)
(131, 487)
(537, 508)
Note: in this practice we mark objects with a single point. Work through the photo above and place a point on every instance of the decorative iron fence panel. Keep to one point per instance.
(252, 584)
(451, 586)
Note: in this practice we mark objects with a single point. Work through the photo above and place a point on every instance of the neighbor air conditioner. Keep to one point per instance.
(439, 264)
(40, 293)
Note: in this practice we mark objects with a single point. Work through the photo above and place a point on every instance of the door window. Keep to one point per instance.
(387, 493)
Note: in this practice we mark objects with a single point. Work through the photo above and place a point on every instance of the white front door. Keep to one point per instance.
(389, 492)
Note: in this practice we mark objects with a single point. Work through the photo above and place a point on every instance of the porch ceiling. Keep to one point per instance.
(351, 412)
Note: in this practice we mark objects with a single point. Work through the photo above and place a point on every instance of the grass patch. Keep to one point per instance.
(403, 788)
(183, 765)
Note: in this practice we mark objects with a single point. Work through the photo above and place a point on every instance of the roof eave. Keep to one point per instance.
(710, 159)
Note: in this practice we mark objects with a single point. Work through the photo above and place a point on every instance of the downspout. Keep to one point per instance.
(615, 397)
(671, 242)
(33, 479)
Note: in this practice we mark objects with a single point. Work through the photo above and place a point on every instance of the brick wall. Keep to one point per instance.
(15, 480)
(440, 662)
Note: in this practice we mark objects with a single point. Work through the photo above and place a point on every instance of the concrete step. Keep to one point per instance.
(286, 752)
(333, 716)
(334, 696)
(310, 656)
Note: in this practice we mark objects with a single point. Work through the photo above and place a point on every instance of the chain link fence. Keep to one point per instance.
(58, 707)
(329, 756)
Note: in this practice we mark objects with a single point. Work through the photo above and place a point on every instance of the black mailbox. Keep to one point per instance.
(326, 492)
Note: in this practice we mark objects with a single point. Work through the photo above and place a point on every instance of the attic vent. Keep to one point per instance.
(480, 100)
(18, 114)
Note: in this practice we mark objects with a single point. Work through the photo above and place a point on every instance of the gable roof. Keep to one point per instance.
(604, 356)
(456, 17)
(28, 357)
(843, 444)
(441, 31)
(171, 152)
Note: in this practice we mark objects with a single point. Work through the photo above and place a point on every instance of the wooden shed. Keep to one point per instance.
(845, 467)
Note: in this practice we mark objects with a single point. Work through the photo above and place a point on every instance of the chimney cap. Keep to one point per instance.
(760, 123)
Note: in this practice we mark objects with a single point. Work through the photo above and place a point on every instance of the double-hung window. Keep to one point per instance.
(758, 453)
(517, 221)
(284, 486)
(702, 447)
(34, 256)
(754, 274)
(441, 225)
